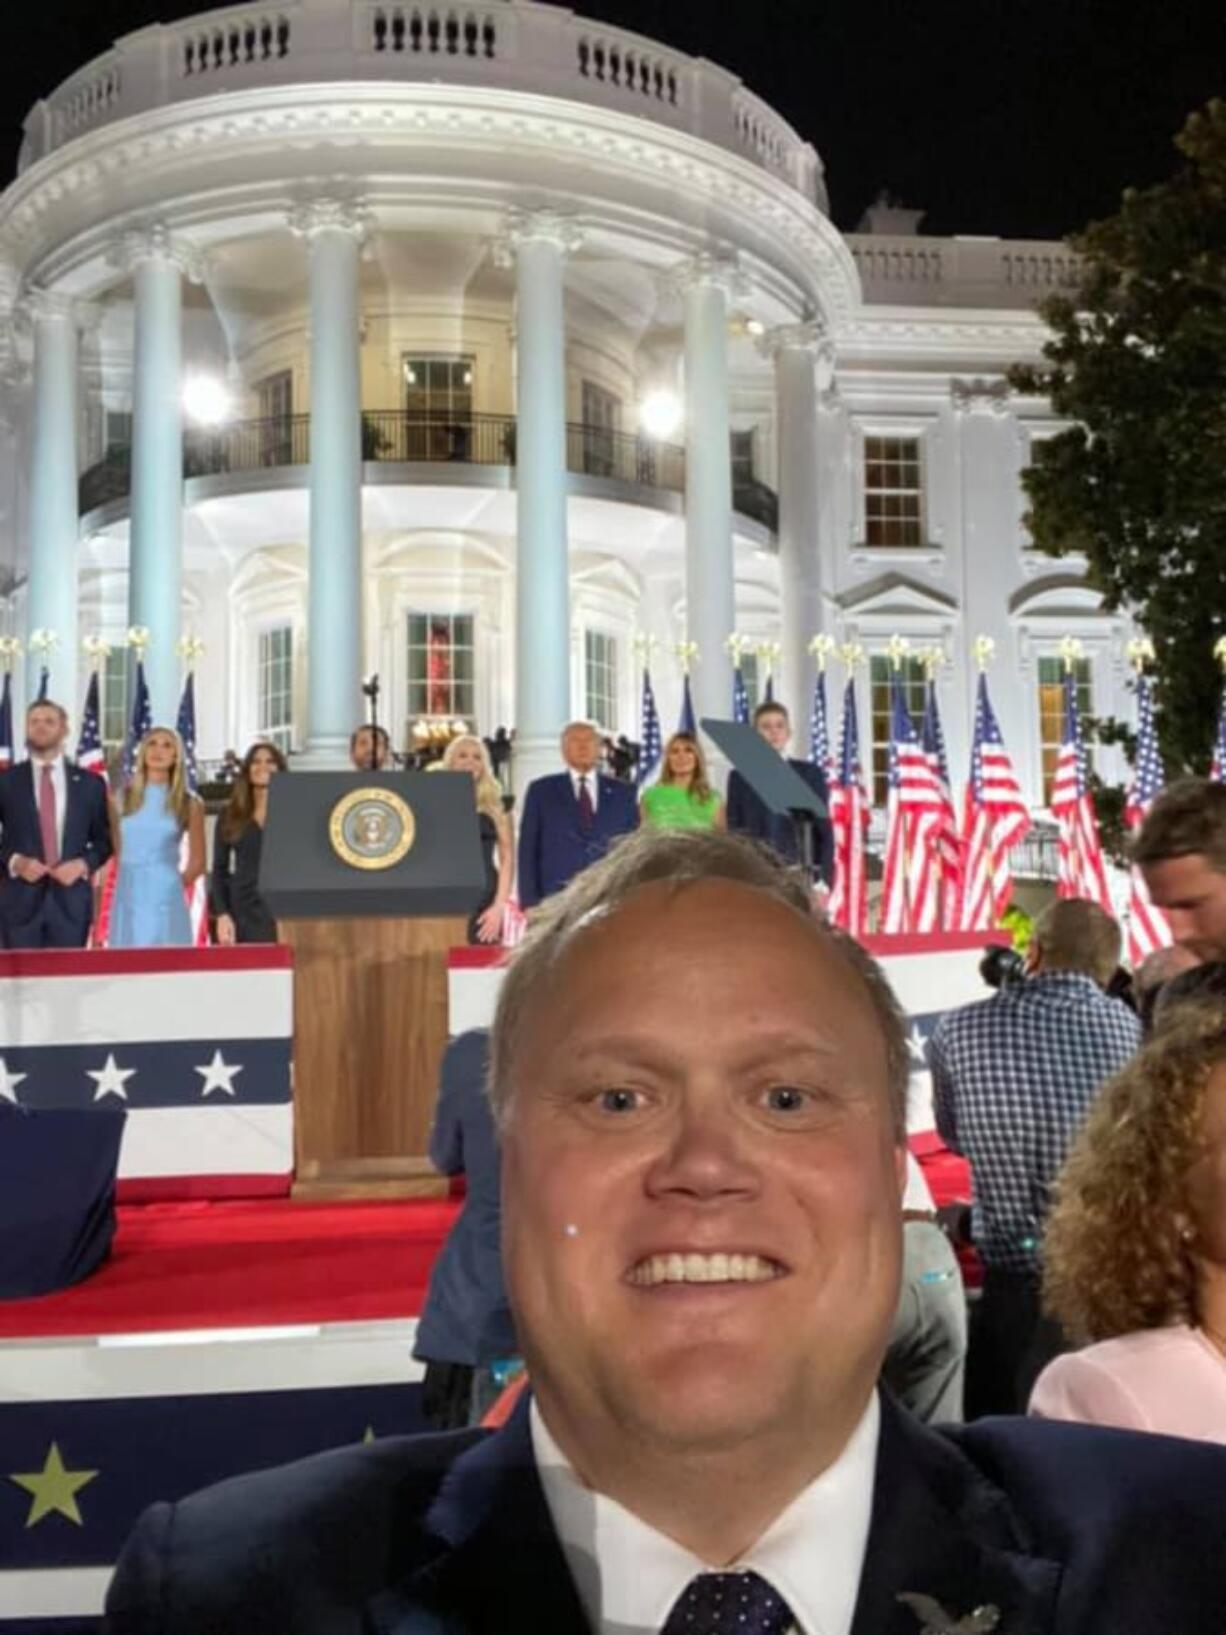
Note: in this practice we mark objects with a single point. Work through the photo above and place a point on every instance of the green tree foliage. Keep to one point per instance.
(1137, 363)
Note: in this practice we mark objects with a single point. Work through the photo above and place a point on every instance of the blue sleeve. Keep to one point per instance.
(529, 877)
(447, 1137)
(7, 848)
(734, 810)
(98, 835)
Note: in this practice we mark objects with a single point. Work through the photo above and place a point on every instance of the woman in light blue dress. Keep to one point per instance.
(156, 811)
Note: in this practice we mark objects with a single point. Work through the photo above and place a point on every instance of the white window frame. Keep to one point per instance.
(602, 707)
(414, 609)
(279, 732)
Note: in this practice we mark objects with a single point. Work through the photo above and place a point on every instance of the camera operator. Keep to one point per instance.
(1013, 1078)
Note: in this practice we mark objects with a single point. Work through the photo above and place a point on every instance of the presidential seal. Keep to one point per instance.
(371, 828)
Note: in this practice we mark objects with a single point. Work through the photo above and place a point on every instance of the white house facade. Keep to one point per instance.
(429, 269)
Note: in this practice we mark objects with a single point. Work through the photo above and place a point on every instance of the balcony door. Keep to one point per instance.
(438, 405)
(602, 414)
(275, 408)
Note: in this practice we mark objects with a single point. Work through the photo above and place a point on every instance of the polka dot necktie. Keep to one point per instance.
(729, 1604)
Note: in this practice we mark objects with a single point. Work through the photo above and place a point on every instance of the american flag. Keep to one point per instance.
(140, 723)
(650, 743)
(740, 697)
(44, 685)
(768, 692)
(687, 722)
(1217, 770)
(819, 727)
(6, 723)
(185, 726)
(849, 816)
(90, 756)
(1081, 871)
(1148, 927)
(913, 816)
(994, 819)
(947, 876)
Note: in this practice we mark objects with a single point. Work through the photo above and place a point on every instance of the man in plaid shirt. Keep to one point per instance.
(1013, 1078)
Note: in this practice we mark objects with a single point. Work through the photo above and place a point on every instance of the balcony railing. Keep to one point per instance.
(390, 435)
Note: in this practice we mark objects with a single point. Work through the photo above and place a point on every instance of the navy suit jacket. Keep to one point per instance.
(466, 1317)
(46, 914)
(747, 815)
(552, 846)
(1065, 1529)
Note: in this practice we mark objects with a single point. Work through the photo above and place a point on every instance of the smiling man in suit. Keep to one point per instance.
(570, 818)
(55, 834)
(700, 1092)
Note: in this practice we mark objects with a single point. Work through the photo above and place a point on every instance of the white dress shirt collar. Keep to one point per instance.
(593, 784)
(629, 1576)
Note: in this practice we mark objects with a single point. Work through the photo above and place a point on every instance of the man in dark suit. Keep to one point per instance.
(465, 1324)
(700, 1093)
(748, 816)
(55, 834)
(570, 818)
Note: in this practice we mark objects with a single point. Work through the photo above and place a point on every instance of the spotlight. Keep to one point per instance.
(660, 413)
(206, 400)
(755, 327)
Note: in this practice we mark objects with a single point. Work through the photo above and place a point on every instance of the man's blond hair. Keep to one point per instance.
(1076, 935)
(679, 858)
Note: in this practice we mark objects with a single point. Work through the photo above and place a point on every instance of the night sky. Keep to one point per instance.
(1024, 118)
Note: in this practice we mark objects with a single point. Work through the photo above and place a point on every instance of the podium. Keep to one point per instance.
(371, 877)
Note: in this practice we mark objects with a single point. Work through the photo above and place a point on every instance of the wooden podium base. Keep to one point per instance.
(370, 1026)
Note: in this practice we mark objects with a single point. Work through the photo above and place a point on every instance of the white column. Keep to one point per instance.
(710, 575)
(537, 244)
(334, 232)
(155, 531)
(798, 351)
(51, 595)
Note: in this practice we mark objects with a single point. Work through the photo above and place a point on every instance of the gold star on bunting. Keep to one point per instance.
(54, 1488)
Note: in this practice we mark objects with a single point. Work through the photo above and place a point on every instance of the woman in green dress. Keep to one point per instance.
(683, 797)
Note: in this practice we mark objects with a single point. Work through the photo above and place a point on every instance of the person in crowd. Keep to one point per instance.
(700, 1093)
(55, 835)
(1181, 852)
(1135, 1251)
(370, 749)
(570, 818)
(156, 812)
(1155, 971)
(466, 1326)
(747, 815)
(682, 798)
(925, 1364)
(241, 913)
(1013, 1078)
(468, 754)
(231, 766)
(1198, 982)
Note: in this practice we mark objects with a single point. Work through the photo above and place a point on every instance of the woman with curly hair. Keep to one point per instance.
(1135, 1249)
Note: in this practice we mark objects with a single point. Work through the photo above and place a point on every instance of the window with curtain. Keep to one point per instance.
(914, 688)
(600, 678)
(893, 491)
(1051, 711)
(441, 667)
(275, 688)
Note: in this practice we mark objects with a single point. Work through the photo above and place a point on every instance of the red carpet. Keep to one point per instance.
(233, 1265)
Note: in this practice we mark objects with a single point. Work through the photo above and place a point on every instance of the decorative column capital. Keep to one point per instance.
(154, 241)
(536, 226)
(980, 396)
(37, 305)
(310, 217)
(808, 335)
(708, 269)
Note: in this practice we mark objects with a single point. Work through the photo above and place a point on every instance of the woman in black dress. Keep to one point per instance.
(242, 914)
(468, 754)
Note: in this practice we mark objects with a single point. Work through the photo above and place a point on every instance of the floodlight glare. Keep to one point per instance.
(660, 413)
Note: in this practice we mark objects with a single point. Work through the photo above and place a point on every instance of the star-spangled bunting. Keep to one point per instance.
(819, 727)
(218, 1075)
(650, 740)
(6, 722)
(740, 697)
(994, 819)
(849, 818)
(9, 1082)
(941, 903)
(90, 756)
(913, 817)
(54, 1488)
(1081, 869)
(1148, 927)
(111, 1079)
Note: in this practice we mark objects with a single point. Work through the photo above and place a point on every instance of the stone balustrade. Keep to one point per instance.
(916, 271)
(509, 44)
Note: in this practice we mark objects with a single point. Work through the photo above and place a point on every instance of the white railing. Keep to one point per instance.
(508, 44)
(990, 272)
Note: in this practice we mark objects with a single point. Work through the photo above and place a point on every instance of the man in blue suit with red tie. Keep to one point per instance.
(55, 834)
(571, 818)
